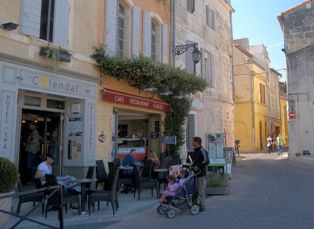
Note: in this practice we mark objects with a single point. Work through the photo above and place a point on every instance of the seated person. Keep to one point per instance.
(44, 168)
(182, 177)
(171, 189)
(129, 159)
(154, 158)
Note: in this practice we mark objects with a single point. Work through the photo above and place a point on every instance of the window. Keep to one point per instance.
(154, 40)
(208, 68)
(210, 18)
(262, 94)
(46, 21)
(121, 30)
(191, 6)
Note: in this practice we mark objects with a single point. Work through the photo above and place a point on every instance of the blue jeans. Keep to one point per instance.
(31, 164)
(279, 149)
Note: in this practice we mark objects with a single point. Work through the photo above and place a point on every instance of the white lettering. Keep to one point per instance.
(119, 99)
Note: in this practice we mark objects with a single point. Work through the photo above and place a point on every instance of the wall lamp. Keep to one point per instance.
(196, 54)
(9, 26)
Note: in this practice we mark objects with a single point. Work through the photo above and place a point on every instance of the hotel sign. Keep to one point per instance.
(136, 101)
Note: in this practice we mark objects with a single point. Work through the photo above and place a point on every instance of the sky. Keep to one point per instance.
(257, 20)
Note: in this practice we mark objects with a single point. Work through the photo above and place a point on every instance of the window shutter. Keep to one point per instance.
(207, 15)
(30, 17)
(111, 27)
(209, 69)
(191, 5)
(190, 131)
(147, 35)
(189, 64)
(164, 43)
(136, 17)
(61, 23)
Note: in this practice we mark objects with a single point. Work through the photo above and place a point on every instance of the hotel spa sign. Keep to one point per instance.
(136, 101)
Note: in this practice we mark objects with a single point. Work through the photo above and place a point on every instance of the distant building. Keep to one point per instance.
(298, 27)
(256, 96)
(283, 90)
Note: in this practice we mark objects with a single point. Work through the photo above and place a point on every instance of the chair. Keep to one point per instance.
(54, 201)
(147, 169)
(101, 173)
(32, 197)
(116, 162)
(141, 183)
(108, 196)
(90, 172)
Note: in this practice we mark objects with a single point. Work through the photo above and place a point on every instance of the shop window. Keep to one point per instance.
(56, 104)
(191, 6)
(32, 101)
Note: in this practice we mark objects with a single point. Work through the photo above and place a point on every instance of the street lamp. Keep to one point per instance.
(196, 54)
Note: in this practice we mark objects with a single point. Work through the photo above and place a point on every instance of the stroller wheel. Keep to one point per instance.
(195, 209)
(170, 213)
(161, 210)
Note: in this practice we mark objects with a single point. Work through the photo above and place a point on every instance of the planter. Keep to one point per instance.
(217, 190)
(5, 204)
(62, 55)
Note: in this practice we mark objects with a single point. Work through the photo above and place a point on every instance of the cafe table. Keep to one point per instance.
(84, 182)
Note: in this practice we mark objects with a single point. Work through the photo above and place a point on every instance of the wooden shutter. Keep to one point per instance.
(190, 5)
(189, 64)
(61, 23)
(190, 130)
(30, 17)
(164, 50)
(111, 27)
(136, 17)
(147, 35)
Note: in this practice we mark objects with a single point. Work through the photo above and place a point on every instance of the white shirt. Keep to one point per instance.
(44, 169)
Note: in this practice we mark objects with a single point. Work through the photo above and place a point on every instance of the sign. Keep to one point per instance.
(169, 140)
(136, 101)
(292, 115)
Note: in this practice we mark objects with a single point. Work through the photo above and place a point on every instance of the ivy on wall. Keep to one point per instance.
(142, 72)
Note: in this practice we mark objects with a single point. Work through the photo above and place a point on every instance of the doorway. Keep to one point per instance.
(49, 126)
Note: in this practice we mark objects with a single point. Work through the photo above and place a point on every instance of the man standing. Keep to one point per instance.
(200, 163)
(279, 143)
(31, 148)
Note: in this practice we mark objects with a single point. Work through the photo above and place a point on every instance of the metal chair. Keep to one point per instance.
(101, 173)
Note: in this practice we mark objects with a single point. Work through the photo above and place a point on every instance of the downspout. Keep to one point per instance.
(232, 77)
(173, 31)
(253, 112)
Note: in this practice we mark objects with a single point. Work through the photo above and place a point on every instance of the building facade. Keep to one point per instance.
(283, 91)
(298, 28)
(207, 23)
(256, 96)
(48, 78)
(126, 117)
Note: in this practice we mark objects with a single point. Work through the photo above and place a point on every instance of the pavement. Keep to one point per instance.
(267, 192)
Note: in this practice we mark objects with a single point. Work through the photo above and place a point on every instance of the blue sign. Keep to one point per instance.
(169, 140)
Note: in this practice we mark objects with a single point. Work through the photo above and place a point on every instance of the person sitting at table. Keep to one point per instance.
(129, 159)
(154, 158)
(44, 168)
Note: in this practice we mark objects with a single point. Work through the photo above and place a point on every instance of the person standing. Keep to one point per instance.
(31, 148)
(279, 143)
(200, 163)
(269, 144)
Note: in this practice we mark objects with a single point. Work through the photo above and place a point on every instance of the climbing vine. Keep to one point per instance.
(142, 72)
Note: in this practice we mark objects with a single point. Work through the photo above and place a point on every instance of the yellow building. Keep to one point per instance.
(251, 96)
(284, 112)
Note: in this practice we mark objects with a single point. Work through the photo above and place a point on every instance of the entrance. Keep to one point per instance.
(49, 126)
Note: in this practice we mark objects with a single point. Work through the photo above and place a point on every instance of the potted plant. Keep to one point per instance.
(217, 184)
(57, 54)
(8, 181)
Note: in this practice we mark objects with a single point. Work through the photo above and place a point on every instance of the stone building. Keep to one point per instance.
(283, 91)
(207, 23)
(297, 25)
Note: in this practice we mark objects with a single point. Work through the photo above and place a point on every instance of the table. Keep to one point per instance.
(162, 172)
(83, 183)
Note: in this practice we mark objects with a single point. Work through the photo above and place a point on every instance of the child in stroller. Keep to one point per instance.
(183, 199)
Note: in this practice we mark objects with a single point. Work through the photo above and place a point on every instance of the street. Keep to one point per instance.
(266, 192)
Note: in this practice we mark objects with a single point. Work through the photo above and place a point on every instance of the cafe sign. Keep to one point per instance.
(136, 101)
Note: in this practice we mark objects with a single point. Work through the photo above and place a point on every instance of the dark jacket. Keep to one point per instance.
(201, 161)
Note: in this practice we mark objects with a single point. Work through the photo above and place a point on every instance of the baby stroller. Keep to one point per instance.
(183, 200)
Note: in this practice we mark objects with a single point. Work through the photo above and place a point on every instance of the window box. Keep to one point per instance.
(55, 53)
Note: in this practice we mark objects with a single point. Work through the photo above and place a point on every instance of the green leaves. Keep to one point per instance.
(142, 72)
(8, 175)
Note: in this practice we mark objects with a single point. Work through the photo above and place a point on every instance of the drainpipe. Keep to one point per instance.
(173, 31)
(232, 77)
(253, 110)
